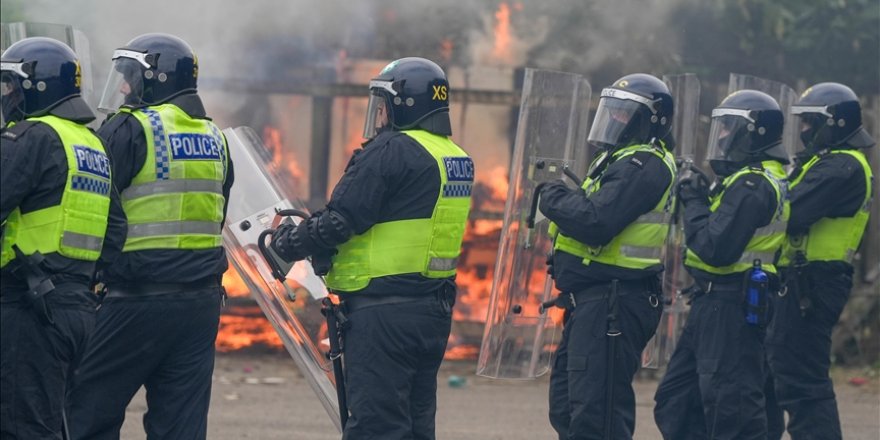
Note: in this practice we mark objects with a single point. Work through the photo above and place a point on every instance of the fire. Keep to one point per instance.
(234, 285)
(284, 161)
(446, 47)
(245, 326)
(501, 49)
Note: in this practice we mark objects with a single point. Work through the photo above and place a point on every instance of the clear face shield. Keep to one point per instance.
(11, 99)
(618, 118)
(813, 118)
(125, 85)
(729, 137)
(378, 114)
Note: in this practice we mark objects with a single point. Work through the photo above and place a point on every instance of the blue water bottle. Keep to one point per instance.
(756, 294)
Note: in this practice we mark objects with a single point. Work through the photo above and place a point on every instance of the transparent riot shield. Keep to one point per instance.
(685, 89)
(520, 336)
(783, 94)
(12, 32)
(294, 305)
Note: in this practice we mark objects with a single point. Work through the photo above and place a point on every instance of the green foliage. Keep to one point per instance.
(786, 40)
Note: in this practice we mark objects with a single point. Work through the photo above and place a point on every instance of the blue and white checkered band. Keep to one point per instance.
(457, 190)
(459, 176)
(86, 183)
(91, 161)
(163, 162)
(219, 139)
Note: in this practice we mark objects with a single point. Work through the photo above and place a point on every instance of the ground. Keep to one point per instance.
(263, 396)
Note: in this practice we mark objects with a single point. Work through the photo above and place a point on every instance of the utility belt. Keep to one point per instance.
(142, 290)
(354, 302)
(754, 298)
(598, 292)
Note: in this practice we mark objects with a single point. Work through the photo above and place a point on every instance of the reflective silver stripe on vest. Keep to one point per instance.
(172, 186)
(81, 241)
(654, 217)
(641, 251)
(765, 257)
(173, 228)
(442, 263)
(773, 228)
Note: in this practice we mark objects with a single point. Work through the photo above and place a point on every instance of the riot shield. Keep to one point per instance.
(783, 94)
(685, 89)
(294, 305)
(12, 32)
(520, 336)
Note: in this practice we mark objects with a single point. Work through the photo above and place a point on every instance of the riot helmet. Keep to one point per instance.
(38, 74)
(746, 128)
(409, 93)
(636, 109)
(830, 117)
(150, 70)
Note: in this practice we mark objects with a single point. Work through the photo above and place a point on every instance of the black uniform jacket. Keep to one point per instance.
(834, 187)
(126, 145)
(630, 187)
(719, 238)
(392, 178)
(33, 174)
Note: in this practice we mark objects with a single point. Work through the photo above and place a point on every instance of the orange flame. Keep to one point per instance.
(501, 50)
(446, 47)
(242, 327)
(282, 157)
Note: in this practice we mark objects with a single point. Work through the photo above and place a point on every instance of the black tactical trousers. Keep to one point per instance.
(392, 355)
(578, 381)
(36, 362)
(799, 354)
(713, 387)
(163, 342)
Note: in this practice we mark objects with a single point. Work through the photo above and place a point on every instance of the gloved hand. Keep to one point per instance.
(550, 266)
(286, 244)
(553, 185)
(693, 186)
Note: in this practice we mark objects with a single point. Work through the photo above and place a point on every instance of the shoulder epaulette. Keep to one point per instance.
(13, 133)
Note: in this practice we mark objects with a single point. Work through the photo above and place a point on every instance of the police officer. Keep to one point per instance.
(56, 185)
(163, 260)
(713, 387)
(397, 219)
(830, 195)
(606, 259)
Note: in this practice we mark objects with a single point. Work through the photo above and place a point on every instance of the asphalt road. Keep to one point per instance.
(264, 397)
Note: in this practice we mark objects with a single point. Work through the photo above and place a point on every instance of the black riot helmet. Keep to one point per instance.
(831, 117)
(151, 69)
(746, 128)
(409, 93)
(636, 109)
(38, 75)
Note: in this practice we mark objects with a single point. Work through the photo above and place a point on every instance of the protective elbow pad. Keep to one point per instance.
(333, 229)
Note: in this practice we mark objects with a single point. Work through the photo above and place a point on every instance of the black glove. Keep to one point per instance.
(693, 186)
(550, 266)
(287, 242)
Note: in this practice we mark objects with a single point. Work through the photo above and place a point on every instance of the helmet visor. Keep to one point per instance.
(11, 98)
(378, 114)
(125, 84)
(619, 118)
(729, 135)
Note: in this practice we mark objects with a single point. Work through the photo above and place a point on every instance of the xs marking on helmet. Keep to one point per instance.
(78, 75)
(439, 93)
(806, 92)
(623, 84)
